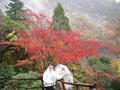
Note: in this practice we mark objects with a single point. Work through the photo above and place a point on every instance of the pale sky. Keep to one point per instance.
(92, 9)
(36, 5)
(39, 5)
(118, 1)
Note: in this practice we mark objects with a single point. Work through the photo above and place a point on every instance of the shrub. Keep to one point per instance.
(115, 84)
(25, 84)
(6, 71)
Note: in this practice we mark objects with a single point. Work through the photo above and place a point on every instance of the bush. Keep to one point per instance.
(6, 71)
(105, 60)
(24, 84)
(102, 64)
(115, 84)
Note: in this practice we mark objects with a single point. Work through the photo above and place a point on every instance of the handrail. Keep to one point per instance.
(77, 85)
(20, 78)
(92, 86)
(39, 78)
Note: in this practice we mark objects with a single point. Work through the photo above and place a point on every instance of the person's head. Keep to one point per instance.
(52, 64)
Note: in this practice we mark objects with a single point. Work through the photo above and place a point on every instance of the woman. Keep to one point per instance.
(62, 72)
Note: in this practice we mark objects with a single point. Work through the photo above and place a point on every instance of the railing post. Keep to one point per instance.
(77, 87)
(41, 78)
(1, 84)
(94, 87)
(63, 85)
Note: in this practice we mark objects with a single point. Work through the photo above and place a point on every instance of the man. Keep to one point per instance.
(55, 72)
(49, 78)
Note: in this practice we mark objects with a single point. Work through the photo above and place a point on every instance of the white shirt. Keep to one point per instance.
(63, 72)
(49, 77)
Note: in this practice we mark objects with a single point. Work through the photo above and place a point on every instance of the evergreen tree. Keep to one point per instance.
(1, 20)
(60, 21)
(15, 10)
(2, 34)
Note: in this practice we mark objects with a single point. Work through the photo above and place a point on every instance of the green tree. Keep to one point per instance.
(9, 25)
(1, 20)
(15, 10)
(117, 33)
(2, 34)
(60, 21)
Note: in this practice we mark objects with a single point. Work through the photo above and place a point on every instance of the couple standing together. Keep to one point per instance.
(56, 72)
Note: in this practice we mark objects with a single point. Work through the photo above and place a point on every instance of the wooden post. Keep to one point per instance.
(41, 78)
(77, 87)
(94, 87)
(63, 85)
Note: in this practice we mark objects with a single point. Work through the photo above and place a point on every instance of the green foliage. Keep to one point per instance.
(2, 34)
(10, 54)
(106, 84)
(3, 49)
(116, 84)
(78, 72)
(105, 60)
(30, 74)
(84, 75)
(103, 67)
(10, 57)
(102, 64)
(60, 21)
(9, 26)
(15, 9)
(23, 84)
(6, 71)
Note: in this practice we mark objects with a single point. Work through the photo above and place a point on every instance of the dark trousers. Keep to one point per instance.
(49, 88)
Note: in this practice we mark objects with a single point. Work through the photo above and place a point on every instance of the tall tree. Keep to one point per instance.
(2, 34)
(1, 18)
(60, 21)
(15, 10)
(117, 33)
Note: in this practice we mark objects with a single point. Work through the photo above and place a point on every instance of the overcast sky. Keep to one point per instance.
(37, 5)
(92, 9)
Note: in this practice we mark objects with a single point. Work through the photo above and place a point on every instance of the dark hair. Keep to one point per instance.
(52, 63)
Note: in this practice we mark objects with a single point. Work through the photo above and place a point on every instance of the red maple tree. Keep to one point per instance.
(47, 44)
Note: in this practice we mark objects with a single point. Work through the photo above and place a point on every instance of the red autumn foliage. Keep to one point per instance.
(66, 46)
(45, 43)
(23, 62)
